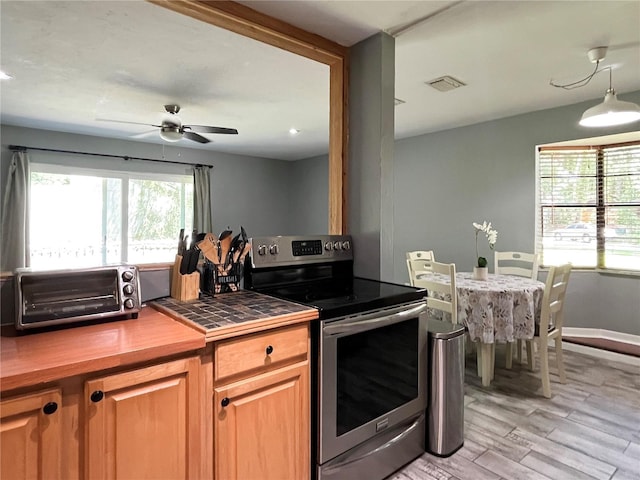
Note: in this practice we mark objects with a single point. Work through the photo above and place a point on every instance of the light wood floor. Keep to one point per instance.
(590, 428)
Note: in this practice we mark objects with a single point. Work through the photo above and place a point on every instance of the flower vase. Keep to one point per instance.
(480, 273)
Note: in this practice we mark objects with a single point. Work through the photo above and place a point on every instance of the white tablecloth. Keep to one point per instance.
(500, 309)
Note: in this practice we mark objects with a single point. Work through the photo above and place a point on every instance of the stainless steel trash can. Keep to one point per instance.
(445, 410)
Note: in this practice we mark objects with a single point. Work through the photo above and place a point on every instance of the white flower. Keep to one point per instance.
(491, 234)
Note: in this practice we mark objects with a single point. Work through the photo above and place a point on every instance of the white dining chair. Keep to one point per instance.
(521, 264)
(447, 299)
(419, 261)
(550, 327)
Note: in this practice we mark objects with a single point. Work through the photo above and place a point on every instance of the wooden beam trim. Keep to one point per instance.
(250, 23)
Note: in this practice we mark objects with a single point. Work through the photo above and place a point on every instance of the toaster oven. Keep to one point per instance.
(54, 297)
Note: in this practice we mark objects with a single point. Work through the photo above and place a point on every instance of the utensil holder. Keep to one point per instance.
(214, 282)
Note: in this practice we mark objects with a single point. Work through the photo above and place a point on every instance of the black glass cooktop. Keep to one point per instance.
(337, 298)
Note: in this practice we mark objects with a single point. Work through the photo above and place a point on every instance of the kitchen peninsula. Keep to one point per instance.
(161, 396)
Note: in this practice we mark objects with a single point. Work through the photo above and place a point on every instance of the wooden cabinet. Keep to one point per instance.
(140, 423)
(144, 423)
(31, 435)
(262, 415)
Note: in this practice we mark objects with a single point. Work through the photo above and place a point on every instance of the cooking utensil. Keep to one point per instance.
(225, 244)
(244, 253)
(209, 248)
(235, 244)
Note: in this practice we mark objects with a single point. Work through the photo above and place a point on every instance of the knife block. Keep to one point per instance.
(184, 287)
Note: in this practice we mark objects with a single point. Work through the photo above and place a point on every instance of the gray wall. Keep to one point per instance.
(308, 196)
(446, 180)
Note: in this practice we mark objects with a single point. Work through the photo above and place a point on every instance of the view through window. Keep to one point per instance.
(98, 218)
(588, 206)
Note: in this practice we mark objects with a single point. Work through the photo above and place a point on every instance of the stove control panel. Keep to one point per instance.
(298, 250)
(301, 248)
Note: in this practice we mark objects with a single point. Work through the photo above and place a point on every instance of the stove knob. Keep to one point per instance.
(346, 245)
(128, 289)
(127, 276)
(337, 246)
(262, 250)
(128, 303)
(328, 246)
(273, 249)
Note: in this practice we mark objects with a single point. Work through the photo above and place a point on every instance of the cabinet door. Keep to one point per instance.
(143, 423)
(262, 426)
(30, 435)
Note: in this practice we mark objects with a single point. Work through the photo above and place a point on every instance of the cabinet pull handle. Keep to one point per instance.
(50, 408)
(269, 350)
(224, 402)
(97, 396)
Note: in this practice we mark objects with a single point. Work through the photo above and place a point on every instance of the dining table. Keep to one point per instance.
(502, 308)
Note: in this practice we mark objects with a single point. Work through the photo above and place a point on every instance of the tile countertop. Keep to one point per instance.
(235, 313)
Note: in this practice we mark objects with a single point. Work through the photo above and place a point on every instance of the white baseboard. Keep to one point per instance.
(599, 353)
(601, 333)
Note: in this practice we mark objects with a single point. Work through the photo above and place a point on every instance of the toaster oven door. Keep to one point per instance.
(53, 299)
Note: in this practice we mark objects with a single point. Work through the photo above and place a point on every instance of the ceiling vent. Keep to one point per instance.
(446, 83)
(397, 101)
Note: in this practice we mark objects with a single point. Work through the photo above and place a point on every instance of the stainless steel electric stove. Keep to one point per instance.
(368, 353)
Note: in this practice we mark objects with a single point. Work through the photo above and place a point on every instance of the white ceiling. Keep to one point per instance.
(78, 61)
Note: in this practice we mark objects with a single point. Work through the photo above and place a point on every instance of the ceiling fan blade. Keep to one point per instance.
(130, 123)
(206, 129)
(144, 134)
(195, 137)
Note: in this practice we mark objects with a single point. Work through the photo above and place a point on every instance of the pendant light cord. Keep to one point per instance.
(583, 82)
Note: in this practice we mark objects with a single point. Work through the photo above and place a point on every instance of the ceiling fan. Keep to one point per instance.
(172, 129)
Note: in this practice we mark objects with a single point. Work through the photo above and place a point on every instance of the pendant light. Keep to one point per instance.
(611, 111)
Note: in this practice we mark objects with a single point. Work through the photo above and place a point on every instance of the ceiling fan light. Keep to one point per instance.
(610, 112)
(170, 133)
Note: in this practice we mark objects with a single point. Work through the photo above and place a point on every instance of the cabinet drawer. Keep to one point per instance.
(261, 350)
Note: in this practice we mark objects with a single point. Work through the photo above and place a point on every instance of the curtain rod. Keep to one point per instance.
(22, 148)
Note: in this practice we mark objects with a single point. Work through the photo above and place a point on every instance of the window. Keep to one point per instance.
(588, 206)
(80, 218)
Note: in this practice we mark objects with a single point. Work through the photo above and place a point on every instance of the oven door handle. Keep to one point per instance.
(363, 323)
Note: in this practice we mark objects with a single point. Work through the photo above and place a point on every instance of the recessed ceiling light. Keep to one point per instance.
(4, 76)
(294, 131)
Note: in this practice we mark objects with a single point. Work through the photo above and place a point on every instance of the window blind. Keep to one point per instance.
(588, 206)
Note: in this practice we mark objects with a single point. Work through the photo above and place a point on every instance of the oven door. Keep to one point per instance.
(372, 375)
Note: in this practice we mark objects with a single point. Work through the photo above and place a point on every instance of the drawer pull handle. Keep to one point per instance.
(97, 396)
(269, 350)
(224, 402)
(50, 408)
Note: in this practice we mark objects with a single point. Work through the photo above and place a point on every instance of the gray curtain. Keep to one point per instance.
(15, 214)
(202, 214)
